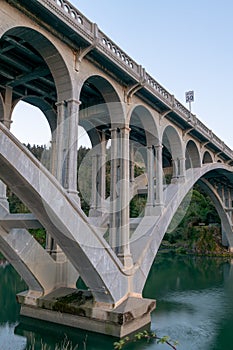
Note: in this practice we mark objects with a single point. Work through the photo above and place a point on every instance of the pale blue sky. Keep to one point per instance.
(184, 45)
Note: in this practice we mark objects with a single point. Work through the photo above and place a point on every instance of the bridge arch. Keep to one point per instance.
(155, 233)
(45, 107)
(142, 122)
(219, 206)
(51, 55)
(192, 155)
(172, 151)
(100, 98)
(207, 158)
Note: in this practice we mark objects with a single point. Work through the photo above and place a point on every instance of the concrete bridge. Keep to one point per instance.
(53, 57)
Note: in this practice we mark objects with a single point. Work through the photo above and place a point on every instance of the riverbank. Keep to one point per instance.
(202, 240)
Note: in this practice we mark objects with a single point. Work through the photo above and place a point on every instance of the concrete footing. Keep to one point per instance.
(77, 309)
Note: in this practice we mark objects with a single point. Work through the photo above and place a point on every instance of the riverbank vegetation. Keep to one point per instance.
(196, 227)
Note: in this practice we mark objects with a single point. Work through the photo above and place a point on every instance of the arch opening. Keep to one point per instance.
(207, 158)
(100, 109)
(172, 154)
(192, 155)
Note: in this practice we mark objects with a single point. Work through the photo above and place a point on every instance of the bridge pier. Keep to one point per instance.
(77, 309)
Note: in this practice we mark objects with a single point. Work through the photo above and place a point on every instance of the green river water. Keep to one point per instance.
(194, 306)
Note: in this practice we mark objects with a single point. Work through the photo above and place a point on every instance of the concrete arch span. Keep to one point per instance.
(89, 253)
(144, 247)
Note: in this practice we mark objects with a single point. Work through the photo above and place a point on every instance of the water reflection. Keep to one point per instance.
(10, 284)
(193, 302)
(194, 305)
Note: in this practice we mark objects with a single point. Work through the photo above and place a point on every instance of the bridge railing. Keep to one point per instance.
(91, 32)
(185, 113)
(118, 54)
(158, 89)
(70, 10)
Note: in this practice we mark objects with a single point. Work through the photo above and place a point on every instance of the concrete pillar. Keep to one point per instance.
(131, 161)
(94, 187)
(65, 161)
(227, 196)
(124, 249)
(99, 178)
(3, 197)
(225, 242)
(175, 168)
(114, 197)
(231, 203)
(159, 176)
(182, 170)
(6, 120)
(53, 155)
(219, 190)
(102, 175)
(72, 151)
(67, 145)
(150, 177)
(61, 137)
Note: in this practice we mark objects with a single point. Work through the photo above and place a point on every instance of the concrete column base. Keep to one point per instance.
(76, 308)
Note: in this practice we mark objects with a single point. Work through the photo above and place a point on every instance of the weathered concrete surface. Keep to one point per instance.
(41, 273)
(78, 309)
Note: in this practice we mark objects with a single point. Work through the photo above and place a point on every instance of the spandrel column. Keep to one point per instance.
(175, 168)
(94, 185)
(150, 177)
(124, 248)
(72, 148)
(6, 120)
(114, 197)
(61, 137)
(131, 162)
(159, 202)
(182, 171)
(101, 175)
